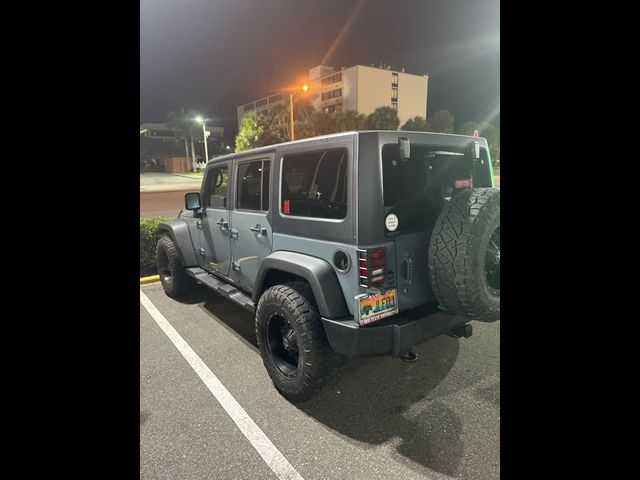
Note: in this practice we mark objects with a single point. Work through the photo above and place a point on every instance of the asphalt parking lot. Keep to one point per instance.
(437, 418)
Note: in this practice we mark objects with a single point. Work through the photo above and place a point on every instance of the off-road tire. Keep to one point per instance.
(317, 363)
(173, 277)
(463, 237)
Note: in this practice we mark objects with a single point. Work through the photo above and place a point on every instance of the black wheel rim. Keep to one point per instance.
(163, 267)
(282, 343)
(492, 261)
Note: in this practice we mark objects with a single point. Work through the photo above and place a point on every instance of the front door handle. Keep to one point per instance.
(261, 231)
(223, 224)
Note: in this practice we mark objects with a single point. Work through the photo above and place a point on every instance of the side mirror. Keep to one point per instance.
(404, 147)
(192, 200)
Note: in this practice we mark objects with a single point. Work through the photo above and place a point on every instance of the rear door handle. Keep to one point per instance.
(223, 224)
(261, 231)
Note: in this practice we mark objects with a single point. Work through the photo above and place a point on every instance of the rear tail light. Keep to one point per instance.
(464, 183)
(372, 266)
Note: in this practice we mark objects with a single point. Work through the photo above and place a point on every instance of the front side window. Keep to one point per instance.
(315, 184)
(216, 187)
(253, 186)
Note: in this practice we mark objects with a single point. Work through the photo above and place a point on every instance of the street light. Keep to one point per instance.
(305, 88)
(203, 121)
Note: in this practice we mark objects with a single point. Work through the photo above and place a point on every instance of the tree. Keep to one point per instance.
(178, 125)
(280, 114)
(185, 129)
(383, 118)
(486, 130)
(257, 130)
(467, 128)
(441, 122)
(349, 120)
(317, 123)
(416, 124)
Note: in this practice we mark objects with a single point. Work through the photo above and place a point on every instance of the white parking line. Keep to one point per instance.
(267, 450)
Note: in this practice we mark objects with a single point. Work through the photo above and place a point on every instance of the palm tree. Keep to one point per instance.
(280, 114)
(416, 124)
(350, 120)
(317, 123)
(185, 129)
(178, 126)
(383, 118)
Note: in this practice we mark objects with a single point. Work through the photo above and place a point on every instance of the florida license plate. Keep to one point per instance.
(377, 306)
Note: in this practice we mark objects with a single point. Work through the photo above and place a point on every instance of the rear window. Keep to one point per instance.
(314, 184)
(415, 190)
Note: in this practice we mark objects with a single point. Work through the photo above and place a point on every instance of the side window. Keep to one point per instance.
(253, 186)
(216, 189)
(315, 184)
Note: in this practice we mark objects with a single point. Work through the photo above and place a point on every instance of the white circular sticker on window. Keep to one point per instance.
(391, 222)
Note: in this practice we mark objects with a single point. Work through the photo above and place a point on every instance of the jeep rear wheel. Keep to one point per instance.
(464, 255)
(292, 342)
(174, 279)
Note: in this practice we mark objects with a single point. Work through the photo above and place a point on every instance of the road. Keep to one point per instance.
(165, 204)
(438, 418)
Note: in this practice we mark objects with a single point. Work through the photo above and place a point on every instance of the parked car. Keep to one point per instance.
(352, 244)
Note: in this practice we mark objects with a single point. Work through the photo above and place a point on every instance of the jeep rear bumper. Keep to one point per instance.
(394, 336)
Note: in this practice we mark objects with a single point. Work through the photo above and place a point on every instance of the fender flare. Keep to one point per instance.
(178, 231)
(317, 272)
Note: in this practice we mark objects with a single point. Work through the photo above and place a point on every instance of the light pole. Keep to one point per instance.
(204, 137)
(305, 87)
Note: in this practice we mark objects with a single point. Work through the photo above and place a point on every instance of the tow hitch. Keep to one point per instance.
(409, 357)
(461, 331)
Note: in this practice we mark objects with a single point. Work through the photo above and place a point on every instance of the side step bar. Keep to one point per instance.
(224, 289)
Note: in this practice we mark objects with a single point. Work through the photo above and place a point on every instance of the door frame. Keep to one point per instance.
(268, 156)
(205, 219)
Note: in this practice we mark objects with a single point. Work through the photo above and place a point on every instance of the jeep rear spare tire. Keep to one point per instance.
(464, 255)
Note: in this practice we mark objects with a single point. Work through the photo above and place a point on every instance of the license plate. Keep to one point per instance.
(377, 306)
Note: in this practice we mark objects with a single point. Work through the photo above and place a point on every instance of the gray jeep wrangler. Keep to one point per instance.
(352, 244)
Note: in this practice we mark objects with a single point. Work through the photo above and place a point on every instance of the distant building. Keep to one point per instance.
(158, 142)
(358, 88)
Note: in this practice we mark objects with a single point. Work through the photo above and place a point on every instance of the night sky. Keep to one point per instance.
(213, 55)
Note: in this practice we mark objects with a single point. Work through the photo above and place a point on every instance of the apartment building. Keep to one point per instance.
(358, 88)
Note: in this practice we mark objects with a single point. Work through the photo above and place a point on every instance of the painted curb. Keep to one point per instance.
(151, 279)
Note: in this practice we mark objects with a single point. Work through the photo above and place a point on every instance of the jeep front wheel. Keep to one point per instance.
(292, 342)
(174, 279)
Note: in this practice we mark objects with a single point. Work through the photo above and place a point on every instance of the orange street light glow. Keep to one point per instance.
(305, 87)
